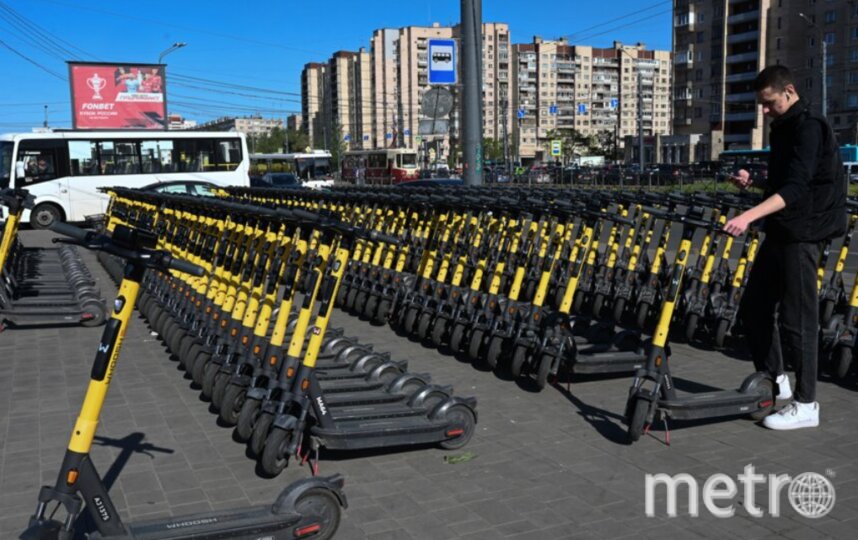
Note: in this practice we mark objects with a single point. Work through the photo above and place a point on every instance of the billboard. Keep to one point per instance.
(118, 96)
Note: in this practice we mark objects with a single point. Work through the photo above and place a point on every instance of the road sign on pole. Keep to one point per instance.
(442, 61)
(552, 109)
(582, 108)
(556, 147)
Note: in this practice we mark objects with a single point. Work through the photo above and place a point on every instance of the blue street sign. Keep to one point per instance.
(366, 137)
(388, 136)
(521, 113)
(614, 103)
(347, 138)
(582, 108)
(442, 61)
(552, 109)
(407, 132)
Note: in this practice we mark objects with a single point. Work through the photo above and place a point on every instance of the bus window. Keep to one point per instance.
(195, 155)
(321, 167)
(407, 160)
(228, 154)
(157, 156)
(40, 161)
(5, 164)
(83, 158)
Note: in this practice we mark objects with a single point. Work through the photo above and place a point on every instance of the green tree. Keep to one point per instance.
(335, 143)
(297, 140)
(492, 149)
(270, 143)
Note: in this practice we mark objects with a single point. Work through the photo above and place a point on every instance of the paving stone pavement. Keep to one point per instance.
(545, 465)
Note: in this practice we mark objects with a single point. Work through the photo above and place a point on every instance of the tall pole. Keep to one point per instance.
(824, 77)
(640, 120)
(472, 114)
(46, 117)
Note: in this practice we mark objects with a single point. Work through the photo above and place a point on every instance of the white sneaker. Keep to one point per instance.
(794, 416)
(784, 389)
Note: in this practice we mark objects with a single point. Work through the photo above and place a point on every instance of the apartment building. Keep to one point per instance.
(346, 104)
(252, 126)
(312, 96)
(595, 91)
(797, 41)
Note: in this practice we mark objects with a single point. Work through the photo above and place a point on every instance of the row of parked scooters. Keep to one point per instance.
(253, 334)
(42, 286)
(553, 282)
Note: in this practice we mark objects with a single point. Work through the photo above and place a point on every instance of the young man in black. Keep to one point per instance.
(804, 204)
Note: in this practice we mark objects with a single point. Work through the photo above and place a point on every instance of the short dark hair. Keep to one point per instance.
(774, 77)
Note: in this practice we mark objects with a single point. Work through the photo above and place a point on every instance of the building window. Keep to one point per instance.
(811, 41)
(701, 37)
(830, 16)
(808, 83)
(854, 55)
(779, 23)
(778, 44)
(852, 100)
(829, 59)
(829, 38)
(853, 77)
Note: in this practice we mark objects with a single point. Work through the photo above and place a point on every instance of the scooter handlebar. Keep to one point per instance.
(185, 266)
(71, 231)
(376, 236)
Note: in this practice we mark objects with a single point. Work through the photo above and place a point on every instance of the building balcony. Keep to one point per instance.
(743, 57)
(753, 35)
(682, 58)
(741, 97)
(747, 16)
(741, 116)
(738, 138)
(742, 77)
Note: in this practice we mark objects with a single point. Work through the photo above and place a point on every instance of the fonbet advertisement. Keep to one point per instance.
(118, 96)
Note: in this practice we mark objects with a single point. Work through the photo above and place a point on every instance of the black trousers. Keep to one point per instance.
(782, 282)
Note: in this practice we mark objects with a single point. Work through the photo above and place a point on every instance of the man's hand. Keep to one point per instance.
(741, 179)
(738, 225)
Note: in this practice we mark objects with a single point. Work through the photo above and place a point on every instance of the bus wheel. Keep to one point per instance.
(45, 215)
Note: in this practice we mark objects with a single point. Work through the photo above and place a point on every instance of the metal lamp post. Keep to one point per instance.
(174, 47)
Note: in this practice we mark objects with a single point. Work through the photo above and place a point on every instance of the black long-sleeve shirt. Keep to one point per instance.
(806, 171)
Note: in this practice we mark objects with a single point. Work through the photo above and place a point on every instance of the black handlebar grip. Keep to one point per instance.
(376, 236)
(71, 231)
(305, 215)
(186, 267)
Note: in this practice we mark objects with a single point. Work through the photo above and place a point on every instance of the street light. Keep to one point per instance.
(175, 46)
(811, 24)
(640, 107)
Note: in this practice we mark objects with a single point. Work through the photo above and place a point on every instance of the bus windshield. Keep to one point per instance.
(5, 163)
(407, 160)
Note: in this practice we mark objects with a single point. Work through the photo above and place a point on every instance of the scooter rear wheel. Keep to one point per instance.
(546, 366)
(721, 332)
(322, 508)
(619, 309)
(438, 331)
(642, 314)
(462, 418)
(766, 390)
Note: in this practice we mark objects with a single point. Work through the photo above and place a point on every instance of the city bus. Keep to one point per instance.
(385, 166)
(315, 165)
(64, 170)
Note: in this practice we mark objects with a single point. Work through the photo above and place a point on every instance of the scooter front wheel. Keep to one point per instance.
(246, 419)
(519, 357)
(274, 456)
(843, 361)
(640, 408)
(546, 367)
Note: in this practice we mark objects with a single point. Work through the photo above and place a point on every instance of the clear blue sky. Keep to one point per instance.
(258, 43)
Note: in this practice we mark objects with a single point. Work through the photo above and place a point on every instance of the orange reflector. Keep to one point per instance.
(208, 309)
(455, 432)
(536, 316)
(272, 360)
(244, 340)
(290, 372)
(511, 310)
(223, 323)
(233, 332)
(71, 477)
(305, 384)
(658, 360)
(307, 530)
(257, 349)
